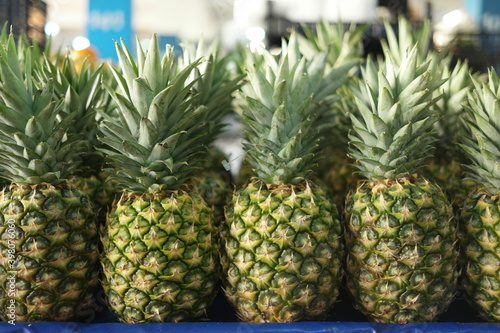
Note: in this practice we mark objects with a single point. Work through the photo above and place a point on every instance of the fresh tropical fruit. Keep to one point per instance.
(214, 86)
(336, 170)
(160, 252)
(213, 183)
(282, 248)
(48, 231)
(401, 236)
(480, 219)
(344, 46)
(80, 86)
(444, 167)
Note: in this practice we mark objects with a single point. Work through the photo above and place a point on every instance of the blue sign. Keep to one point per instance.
(486, 13)
(109, 20)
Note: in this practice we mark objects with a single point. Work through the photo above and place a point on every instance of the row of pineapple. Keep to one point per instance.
(74, 138)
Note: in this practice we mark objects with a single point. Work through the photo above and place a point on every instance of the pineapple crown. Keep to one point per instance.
(156, 140)
(343, 46)
(284, 99)
(35, 143)
(345, 49)
(451, 94)
(214, 84)
(81, 90)
(393, 132)
(482, 143)
(397, 43)
(450, 125)
(80, 87)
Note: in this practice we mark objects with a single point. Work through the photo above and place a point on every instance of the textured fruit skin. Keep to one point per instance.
(449, 175)
(339, 176)
(282, 253)
(56, 259)
(401, 250)
(480, 243)
(100, 191)
(215, 189)
(160, 257)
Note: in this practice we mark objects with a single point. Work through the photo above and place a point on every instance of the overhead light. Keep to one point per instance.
(52, 28)
(453, 18)
(255, 34)
(80, 43)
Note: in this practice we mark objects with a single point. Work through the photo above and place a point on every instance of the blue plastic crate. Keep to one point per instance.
(221, 318)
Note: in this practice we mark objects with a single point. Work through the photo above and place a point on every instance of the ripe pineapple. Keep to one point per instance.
(160, 252)
(444, 167)
(48, 232)
(400, 237)
(213, 182)
(344, 48)
(480, 218)
(214, 87)
(81, 89)
(282, 250)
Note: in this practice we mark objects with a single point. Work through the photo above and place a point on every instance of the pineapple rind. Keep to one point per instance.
(480, 214)
(480, 241)
(401, 250)
(282, 253)
(215, 190)
(160, 257)
(56, 259)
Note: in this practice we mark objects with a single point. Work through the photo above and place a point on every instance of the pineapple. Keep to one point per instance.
(214, 87)
(160, 251)
(282, 248)
(444, 167)
(344, 47)
(480, 218)
(336, 170)
(81, 89)
(213, 182)
(48, 231)
(401, 236)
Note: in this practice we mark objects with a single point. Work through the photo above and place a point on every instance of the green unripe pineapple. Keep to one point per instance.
(56, 261)
(82, 93)
(283, 253)
(282, 248)
(401, 235)
(160, 259)
(160, 246)
(480, 218)
(48, 231)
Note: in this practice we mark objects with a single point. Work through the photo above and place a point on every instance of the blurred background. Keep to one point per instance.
(88, 27)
